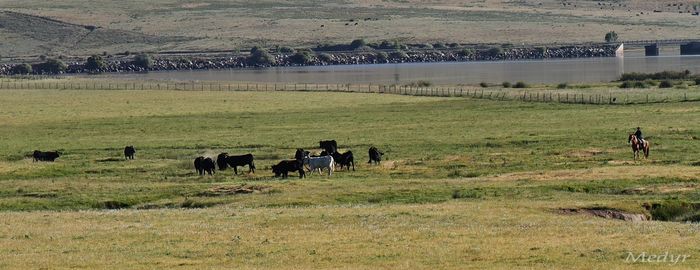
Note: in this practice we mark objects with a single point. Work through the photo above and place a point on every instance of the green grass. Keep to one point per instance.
(465, 183)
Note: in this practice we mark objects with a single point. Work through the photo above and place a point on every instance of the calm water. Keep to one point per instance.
(586, 70)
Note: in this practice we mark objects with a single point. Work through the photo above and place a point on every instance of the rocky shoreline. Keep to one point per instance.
(171, 63)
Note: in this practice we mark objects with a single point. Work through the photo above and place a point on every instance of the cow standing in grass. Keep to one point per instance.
(224, 161)
(285, 166)
(344, 160)
(202, 165)
(375, 155)
(320, 163)
(49, 156)
(129, 152)
(329, 146)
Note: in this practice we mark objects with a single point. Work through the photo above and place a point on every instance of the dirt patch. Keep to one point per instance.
(233, 190)
(605, 213)
(389, 165)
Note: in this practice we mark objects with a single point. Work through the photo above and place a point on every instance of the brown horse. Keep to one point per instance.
(637, 146)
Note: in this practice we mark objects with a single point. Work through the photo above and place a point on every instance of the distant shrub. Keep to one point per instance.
(439, 45)
(22, 69)
(664, 75)
(51, 66)
(325, 57)
(357, 43)
(90, 27)
(611, 37)
(483, 84)
(494, 51)
(453, 45)
(143, 60)
(466, 52)
(672, 210)
(398, 55)
(426, 46)
(520, 85)
(260, 57)
(562, 86)
(697, 81)
(682, 85)
(633, 84)
(382, 56)
(301, 58)
(285, 49)
(506, 85)
(665, 84)
(95, 63)
(386, 45)
(541, 50)
(420, 83)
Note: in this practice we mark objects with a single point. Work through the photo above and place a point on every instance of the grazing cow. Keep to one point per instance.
(375, 155)
(319, 163)
(224, 161)
(329, 146)
(345, 159)
(202, 165)
(285, 166)
(49, 156)
(129, 152)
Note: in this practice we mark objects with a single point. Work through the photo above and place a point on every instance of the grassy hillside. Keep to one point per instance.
(207, 25)
(467, 183)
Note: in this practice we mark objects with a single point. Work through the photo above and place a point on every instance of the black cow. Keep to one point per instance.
(285, 166)
(224, 161)
(202, 165)
(329, 146)
(345, 159)
(129, 152)
(375, 155)
(49, 156)
(300, 154)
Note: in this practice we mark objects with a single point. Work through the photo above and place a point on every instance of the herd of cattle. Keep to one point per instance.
(303, 160)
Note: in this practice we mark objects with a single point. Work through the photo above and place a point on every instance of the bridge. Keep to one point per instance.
(652, 47)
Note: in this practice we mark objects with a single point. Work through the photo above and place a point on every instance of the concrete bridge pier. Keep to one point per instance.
(692, 48)
(651, 50)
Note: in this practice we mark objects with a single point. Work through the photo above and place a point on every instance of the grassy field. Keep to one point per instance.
(467, 183)
(206, 25)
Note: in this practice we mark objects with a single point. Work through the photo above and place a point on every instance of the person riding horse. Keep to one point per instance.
(639, 136)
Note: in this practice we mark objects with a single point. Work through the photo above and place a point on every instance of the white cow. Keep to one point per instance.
(318, 163)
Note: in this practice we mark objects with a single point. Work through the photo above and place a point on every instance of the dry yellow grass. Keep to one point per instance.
(455, 235)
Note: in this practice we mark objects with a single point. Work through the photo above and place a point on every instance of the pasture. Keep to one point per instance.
(466, 183)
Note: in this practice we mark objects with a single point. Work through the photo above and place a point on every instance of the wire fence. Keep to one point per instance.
(573, 96)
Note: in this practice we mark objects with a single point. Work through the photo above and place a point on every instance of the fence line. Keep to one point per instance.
(549, 96)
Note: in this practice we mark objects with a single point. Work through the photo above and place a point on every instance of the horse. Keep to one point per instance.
(637, 146)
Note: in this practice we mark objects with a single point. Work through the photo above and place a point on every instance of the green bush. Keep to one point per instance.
(357, 44)
(286, 49)
(495, 51)
(506, 85)
(466, 52)
(665, 84)
(324, 57)
(382, 56)
(51, 66)
(95, 63)
(562, 86)
(301, 58)
(484, 84)
(398, 55)
(260, 57)
(22, 69)
(143, 60)
(697, 81)
(634, 84)
(664, 75)
(520, 85)
(611, 37)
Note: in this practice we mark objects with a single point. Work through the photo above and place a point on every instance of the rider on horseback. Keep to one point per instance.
(639, 136)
